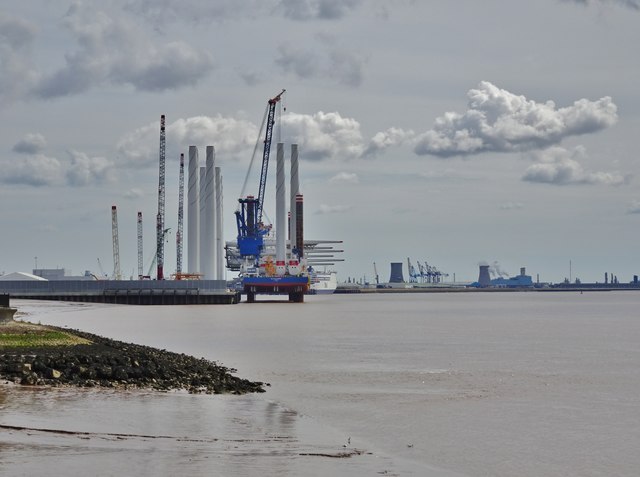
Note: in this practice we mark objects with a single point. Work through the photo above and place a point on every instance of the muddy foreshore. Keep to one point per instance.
(115, 364)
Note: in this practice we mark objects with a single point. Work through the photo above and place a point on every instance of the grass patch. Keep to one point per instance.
(35, 338)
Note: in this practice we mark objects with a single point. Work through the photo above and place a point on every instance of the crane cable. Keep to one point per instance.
(253, 156)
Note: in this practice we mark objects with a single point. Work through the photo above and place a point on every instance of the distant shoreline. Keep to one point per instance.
(342, 290)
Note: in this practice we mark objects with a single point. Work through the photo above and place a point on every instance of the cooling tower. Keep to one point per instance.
(396, 273)
(484, 279)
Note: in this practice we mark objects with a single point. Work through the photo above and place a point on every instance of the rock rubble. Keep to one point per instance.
(110, 363)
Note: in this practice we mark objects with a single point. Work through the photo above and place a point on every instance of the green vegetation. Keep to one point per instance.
(30, 336)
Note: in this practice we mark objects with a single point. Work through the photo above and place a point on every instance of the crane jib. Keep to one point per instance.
(265, 154)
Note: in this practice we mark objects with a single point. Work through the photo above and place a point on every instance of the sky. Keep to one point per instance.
(448, 132)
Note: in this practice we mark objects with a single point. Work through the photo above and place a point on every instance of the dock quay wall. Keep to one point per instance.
(126, 292)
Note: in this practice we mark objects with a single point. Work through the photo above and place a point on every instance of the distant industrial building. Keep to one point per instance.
(520, 281)
(60, 274)
(396, 273)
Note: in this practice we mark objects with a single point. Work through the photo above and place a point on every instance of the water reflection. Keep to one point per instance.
(104, 432)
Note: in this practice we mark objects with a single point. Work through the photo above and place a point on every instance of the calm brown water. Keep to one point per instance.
(500, 384)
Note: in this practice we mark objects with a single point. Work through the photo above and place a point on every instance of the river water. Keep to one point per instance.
(478, 384)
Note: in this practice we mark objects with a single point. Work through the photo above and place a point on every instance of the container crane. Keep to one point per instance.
(421, 271)
(375, 273)
(412, 272)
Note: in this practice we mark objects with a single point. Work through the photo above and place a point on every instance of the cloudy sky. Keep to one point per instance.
(450, 132)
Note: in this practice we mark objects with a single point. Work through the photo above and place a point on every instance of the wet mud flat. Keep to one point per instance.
(143, 432)
(88, 360)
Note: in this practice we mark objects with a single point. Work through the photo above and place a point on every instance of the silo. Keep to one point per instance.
(396, 273)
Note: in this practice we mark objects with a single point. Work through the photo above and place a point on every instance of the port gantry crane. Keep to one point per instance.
(251, 230)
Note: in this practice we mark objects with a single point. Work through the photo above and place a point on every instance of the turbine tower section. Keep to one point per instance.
(116, 245)
(208, 225)
(161, 200)
(140, 271)
(180, 217)
(193, 212)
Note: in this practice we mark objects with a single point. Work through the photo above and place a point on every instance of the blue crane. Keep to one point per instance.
(251, 230)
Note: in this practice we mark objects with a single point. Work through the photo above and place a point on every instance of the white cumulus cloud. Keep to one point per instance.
(559, 166)
(232, 138)
(34, 170)
(500, 121)
(383, 140)
(324, 135)
(84, 170)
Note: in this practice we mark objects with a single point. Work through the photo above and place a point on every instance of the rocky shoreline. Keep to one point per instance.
(108, 363)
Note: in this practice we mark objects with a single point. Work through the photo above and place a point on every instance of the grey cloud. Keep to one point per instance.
(634, 208)
(198, 11)
(113, 50)
(16, 70)
(15, 32)
(84, 170)
(344, 67)
(500, 121)
(558, 166)
(317, 9)
(33, 167)
(633, 4)
(30, 144)
(160, 12)
(303, 64)
(36, 170)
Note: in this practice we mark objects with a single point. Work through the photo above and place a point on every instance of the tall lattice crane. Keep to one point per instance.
(161, 196)
(249, 215)
(180, 217)
(140, 264)
(116, 244)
